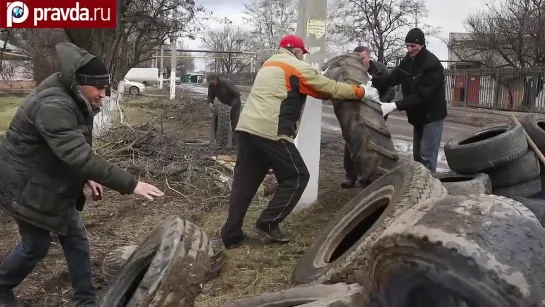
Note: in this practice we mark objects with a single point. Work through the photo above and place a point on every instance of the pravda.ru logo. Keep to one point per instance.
(62, 14)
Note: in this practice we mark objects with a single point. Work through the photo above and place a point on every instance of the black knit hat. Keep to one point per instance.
(93, 73)
(415, 36)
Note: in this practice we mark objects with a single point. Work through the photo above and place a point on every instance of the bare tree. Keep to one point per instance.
(40, 46)
(381, 24)
(270, 19)
(229, 38)
(142, 26)
(509, 34)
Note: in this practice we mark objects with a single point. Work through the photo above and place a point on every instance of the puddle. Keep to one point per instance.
(405, 148)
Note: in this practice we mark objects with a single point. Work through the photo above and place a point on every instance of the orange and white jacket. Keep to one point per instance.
(274, 107)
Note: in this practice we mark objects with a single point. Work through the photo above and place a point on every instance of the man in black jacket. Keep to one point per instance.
(227, 93)
(386, 93)
(45, 161)
(422, 80)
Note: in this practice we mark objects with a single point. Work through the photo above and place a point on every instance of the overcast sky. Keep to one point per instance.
(448, 15)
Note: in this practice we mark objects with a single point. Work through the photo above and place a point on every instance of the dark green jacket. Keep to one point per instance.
(47, 155)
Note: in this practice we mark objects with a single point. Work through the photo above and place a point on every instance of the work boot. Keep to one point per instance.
(348, 184)
(273, 234)
(229, 245)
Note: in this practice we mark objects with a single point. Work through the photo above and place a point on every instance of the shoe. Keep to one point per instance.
(274, 234)
(230, 245)
(348, 184)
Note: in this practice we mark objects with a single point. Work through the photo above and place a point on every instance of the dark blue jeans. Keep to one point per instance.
(33, 248)
(427, 142)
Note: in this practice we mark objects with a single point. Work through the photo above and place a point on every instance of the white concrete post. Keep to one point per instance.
(173, 62)
(311, 27)
(161, 68)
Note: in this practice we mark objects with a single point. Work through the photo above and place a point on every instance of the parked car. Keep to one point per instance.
(134, 88)
(147, 75)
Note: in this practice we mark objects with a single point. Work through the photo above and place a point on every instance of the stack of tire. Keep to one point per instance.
(407, 242)
(494, 159)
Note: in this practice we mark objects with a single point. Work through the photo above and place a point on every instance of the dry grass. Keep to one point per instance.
(8, 107)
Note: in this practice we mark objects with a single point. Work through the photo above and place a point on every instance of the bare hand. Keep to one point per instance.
(96, 190)
(147, 190)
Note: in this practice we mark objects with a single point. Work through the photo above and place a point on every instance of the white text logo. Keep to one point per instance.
(17, 12)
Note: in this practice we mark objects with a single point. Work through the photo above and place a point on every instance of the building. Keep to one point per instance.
(16, 71)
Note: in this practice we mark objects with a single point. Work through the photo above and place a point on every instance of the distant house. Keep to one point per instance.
(470, 83)
(16, 67)
(193, 78)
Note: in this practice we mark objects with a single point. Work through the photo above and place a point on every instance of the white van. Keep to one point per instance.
(146, 76)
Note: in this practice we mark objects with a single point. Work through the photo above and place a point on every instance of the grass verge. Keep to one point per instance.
(8, 107)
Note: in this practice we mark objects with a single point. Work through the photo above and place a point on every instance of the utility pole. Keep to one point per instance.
(311, 27)
(162, 67)
(173, 59)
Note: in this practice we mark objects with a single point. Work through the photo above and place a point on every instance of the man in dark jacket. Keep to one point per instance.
(422, 80)
(45, 161)
(386, 93)
(227, 93)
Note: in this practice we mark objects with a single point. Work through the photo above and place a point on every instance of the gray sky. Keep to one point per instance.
(448, 15)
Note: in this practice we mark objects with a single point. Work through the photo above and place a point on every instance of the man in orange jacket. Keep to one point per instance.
(266, 129)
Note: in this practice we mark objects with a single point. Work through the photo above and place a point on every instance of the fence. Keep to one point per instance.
(519, 89)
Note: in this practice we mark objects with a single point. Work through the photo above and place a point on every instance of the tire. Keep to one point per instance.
(524, 189)
(121, 288)
(220, 133)
(113, 262)
(175, 276)
(534, 124)
(488, 147)
(337, 295)
(537, 206)
(362, 123)
(133, 90)
(517, 171)
(458, 184)
(338, 254)
(478, 247)
(115, 259)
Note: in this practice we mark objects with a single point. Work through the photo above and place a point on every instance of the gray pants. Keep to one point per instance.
(33, 248)
(427, 142)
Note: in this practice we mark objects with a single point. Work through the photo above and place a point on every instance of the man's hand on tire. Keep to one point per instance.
(211, 107)
(387, 107)
(371, 93)
(147, 190)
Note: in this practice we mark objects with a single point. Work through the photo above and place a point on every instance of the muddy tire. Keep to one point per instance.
(115, 260)
(537, 206)
(362, 124)
(517, 171)
(178, 269)
(524, 189)
(534, 124)
(476, 248)
(337, 295)
(486, 148)
(458, 184)
(118, 257)
(121, 288)
(339, 252)
(220, 128)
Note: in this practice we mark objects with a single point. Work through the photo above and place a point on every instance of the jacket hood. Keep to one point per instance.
(71, 58)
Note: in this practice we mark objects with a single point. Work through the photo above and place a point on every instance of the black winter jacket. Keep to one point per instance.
(47, 156)
(422, 82)
(386, 93)
(224, 90)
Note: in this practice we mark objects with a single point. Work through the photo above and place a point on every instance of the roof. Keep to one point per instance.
(12, 51)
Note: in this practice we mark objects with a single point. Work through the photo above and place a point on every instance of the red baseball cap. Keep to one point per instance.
(293, 41)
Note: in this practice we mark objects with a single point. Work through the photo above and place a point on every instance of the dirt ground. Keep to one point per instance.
(154, 149)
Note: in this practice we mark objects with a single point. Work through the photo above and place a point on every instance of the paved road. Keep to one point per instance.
(400, 129)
